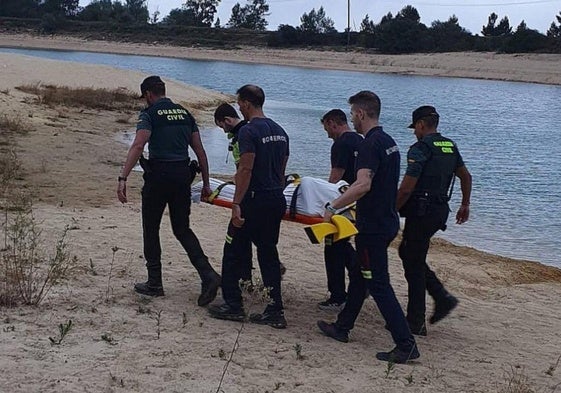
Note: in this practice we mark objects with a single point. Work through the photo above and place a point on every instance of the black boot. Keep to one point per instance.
(271, 317)
(418, 330)
(227, 312)
(417, 326)
(331, 330)
(442, 307)
(152, 287)
(209, 288)
(145, 288)
(399, 356)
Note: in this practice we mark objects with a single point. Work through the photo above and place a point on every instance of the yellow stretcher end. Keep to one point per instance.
(345, 228)
(317, 232)
(340, 227)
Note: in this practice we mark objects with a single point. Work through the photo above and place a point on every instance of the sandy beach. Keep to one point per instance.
(503, 337)
(535, 68)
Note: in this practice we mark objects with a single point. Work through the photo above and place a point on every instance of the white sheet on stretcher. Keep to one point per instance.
(312, 194)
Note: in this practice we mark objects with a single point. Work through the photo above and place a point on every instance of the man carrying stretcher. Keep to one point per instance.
(257, 210)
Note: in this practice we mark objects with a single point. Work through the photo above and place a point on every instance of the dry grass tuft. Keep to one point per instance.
(89, 97)
(517, 382)
(14, 124)
(9, 170)
(123, 119)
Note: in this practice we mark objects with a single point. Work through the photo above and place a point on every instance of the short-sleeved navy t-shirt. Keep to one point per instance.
(343, 154)
(376, 212)
(269, 142)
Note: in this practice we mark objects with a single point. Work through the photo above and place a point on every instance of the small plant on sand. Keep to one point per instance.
(409, 379)
(252, 294)
(553, 367)
(114, 249)
(158, 318)
(63, 330)
(390, 367)
(29, 273)
(298, 351)
(516, 382)
(116, 381)
(92, 268)
(108, 338)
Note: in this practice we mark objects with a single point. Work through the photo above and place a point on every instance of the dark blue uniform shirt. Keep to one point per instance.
(269, 142)
(376, 213)
(343, 154)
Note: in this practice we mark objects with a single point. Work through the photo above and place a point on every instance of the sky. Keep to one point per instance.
(472, 14)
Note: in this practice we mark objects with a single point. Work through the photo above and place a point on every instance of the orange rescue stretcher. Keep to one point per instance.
(306, 198)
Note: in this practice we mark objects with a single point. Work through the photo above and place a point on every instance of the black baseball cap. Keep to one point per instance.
(422, 112)
(149, 83)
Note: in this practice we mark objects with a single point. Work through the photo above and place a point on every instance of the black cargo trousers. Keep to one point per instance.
(263, 212)
(413, 250)
(338, 256)
(168, 183)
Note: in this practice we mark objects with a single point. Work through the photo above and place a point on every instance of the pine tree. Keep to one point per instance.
(251, 16)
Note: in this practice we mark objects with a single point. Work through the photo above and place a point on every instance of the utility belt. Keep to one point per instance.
(256, 197)
(191, 167)
(252, 194)
(420, 204)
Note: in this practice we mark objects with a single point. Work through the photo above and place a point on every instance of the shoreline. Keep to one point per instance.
(526, 68)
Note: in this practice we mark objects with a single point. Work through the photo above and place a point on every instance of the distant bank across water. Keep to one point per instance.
(535, 68)
(507, 133)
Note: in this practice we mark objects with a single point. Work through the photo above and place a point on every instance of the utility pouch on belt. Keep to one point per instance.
(194, 168)
(423, 203)
(144, 164)
(416, 206)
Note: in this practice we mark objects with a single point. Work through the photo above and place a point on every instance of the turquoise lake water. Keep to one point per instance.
(508, 134)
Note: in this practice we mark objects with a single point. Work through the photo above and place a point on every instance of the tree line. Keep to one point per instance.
(402, 33)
